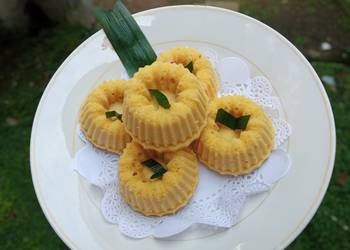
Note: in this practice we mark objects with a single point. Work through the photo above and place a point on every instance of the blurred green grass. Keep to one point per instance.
(29, 64)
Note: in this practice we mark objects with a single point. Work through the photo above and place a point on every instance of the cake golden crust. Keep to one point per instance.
(158, 128)
(107, 134)
(158, 196)
(236, 152)
(202, 67)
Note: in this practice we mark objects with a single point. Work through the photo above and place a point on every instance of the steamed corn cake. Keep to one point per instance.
(158, 196)
(104, 133)
(231, 152)
(158, 128)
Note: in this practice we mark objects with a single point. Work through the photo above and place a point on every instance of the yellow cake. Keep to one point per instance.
(105, 133)
(158, 128)
(158, 196)
(236, 152)
(202, 68)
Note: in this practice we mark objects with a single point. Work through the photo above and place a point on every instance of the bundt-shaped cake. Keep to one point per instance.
(235, 152)
(105, 133)
(158, 128)
(164, 194)
(202, 67)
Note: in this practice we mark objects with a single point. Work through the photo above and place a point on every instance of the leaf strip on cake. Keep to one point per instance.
(113, 114)
(156, 167)
(225, 118)
(160, 97)
(189, 66)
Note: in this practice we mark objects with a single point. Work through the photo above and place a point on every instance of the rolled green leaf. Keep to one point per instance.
(158, 174)
(126, 37)
(189, 66)
(242, 122)
(113, 114)
(225, 118)
(156, 167)
(161, 98)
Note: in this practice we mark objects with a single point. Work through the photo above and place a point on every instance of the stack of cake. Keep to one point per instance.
(166, 117)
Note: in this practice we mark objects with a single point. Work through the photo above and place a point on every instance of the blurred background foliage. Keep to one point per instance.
(37, 35)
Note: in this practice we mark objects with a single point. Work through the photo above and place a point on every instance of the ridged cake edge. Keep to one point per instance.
(189, 181)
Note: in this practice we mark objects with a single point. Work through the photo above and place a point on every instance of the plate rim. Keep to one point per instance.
(310, 212)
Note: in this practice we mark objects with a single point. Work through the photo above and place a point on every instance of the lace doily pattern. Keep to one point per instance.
(218, 199)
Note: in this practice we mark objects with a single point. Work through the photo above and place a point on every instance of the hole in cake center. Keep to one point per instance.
(228, 133)
(146, 174)
(236, 112)
(117, 106)
(170, 96)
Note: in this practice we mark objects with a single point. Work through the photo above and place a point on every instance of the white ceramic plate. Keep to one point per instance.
(268, 221)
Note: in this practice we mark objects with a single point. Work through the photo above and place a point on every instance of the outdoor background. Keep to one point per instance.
(36, 36)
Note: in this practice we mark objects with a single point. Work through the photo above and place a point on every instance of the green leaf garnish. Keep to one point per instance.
(225, 118)
(161, 98)
(158, 175)
(126, 37)
(113, 114)
(156, 167)
(242, 122)
(189, 66)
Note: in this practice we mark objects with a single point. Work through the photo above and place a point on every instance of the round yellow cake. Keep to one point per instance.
(160, 196)
(104, 133)
(155, 127)
(236, 152)
(202, 68)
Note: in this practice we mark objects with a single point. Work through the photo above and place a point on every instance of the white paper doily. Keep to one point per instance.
(218, 199)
